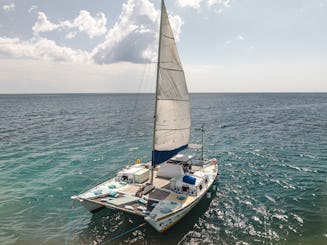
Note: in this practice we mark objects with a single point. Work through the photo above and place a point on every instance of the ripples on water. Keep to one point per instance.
(272, 150)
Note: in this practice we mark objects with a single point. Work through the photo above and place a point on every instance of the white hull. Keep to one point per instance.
(91, 206)
(164, 224)
(167, 223)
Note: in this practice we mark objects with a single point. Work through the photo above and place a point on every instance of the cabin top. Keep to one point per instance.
(181, 158)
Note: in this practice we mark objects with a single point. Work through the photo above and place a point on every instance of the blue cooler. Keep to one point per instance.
(189, 179)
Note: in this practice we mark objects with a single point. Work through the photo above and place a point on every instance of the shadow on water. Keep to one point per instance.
(108, 224)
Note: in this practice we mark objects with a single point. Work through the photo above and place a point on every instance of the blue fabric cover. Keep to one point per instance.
(97, 192)
(165, 210)
(189, 180)
(142, 201)
(161, 156)
(113, 194)
(181, 198)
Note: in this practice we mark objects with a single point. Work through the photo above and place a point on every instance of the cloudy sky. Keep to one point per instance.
(111, 45)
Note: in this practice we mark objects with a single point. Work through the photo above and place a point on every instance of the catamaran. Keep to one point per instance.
(165, 189)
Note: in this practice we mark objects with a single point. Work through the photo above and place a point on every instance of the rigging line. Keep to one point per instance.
(145, 76)
(136, 103)
(70, 220)
(126, 136)
(124, 233)
(103, 177)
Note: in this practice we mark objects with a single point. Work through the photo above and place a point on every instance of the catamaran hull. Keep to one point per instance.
(167, 223)
(90, 206)
(163, 225)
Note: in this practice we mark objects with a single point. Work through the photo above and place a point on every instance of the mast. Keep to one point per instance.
(157, 79)
(202, 135)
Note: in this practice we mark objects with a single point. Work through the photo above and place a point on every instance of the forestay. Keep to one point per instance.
(172, 119)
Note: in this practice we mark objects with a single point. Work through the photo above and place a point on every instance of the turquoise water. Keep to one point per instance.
(272, 150)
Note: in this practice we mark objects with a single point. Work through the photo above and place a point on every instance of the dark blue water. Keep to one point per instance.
(272, 150)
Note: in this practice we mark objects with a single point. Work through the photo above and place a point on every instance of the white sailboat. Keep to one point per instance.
(164, 190)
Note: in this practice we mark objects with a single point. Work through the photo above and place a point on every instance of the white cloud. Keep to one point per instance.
(43, 24)
(176, 23)
(190, 3)
(133, 38)
(41, 48)
(8, 7)
(215, 5)
(218, 6)
(239, 37)
(227, 42)
(236, 38)
(227, 3)
(84, 22)
(218, 10)
(93, 27)
(32, 8)
(212, 2)
(71, 35)
(134, 35)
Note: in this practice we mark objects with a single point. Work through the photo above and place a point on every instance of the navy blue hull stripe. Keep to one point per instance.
(161, 156)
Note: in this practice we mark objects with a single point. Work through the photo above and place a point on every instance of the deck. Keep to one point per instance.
(129, 197)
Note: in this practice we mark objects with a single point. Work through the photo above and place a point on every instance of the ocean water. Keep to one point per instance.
(272, 151)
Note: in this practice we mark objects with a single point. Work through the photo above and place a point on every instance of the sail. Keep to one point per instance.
(172, 117)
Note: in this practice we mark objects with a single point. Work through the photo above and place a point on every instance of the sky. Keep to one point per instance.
(104, 46)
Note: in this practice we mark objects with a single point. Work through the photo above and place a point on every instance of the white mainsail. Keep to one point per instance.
(172, 112)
